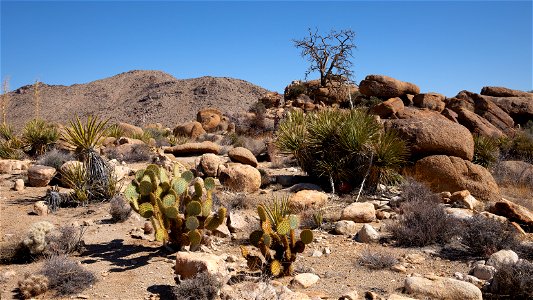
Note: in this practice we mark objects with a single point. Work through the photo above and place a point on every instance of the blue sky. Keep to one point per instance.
(441, 46)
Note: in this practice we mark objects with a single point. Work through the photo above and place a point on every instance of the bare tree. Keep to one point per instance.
(328, 54)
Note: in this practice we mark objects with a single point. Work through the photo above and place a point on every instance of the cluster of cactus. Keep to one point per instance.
(178, 214)
(33, 285)
(35, 239)
(276, 240)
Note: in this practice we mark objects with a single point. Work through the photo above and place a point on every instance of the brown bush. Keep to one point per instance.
(377, 260)
(482, 236)
(119, 209)
(66, 276)
(513, 281)
(202, 287)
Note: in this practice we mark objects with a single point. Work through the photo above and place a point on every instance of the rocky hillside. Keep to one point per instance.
(136, 97)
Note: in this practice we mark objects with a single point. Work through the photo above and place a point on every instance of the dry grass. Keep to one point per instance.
(66, 276)
(377, 260)
(202, 287)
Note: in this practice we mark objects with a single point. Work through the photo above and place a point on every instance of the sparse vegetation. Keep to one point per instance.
(486, 151)
(54, 158)
(66, 276)
(513, 281)
(64, 240)
(119, 209)
(33, 285)
(377, 260)
(202, 287)
(39, 136)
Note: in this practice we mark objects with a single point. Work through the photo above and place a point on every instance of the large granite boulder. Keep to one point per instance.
(386, 87)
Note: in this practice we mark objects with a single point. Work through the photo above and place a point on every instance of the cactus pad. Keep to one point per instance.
(131, 192)
(192, 223)
(255, 237)
(195, 237)
(145, 186)
(169, 200)
(139, 175)
(275, 268)
(267, 240)
(180, 185)
(188, 176)
(284, 227)
(209, 184)
(146, 210)
(198, 189)
(306, 236)
(262, 213)
(294, 221)
(171, 212)
(194, 208)
(299, 247)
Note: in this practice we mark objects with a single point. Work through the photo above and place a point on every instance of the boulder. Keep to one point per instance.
(388, 108)
(430, 133)
(515, 172)
(129, 129)
(40, 208)
(243, 156)
(442, 288)
(305, 280)
(483, 272)
(449, 173)
(9, 165)
(39, 176)
(386, 87)
(193, 148)
(432, 101)
(513, 212)
(189, 264)
(477, 124)
(367, 234)
(497, 91)
(209, 164)
(241, 178)
(19, 185)
(345, 227)
(502, 257)
(192, 129)
(210, 118)
(359, 212)
(519, 108)
(271, 99)
(6, 166)
(308, 199)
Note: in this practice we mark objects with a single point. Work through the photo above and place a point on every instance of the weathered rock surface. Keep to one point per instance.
(367, 234)
(19, 185)
(345, 227)
(193, 148)
(386, 87)
(192, 129)
(308, 199)
(442, 288)
(502, 257)
(430, 133)
(497, 91)
(305, 280)
(359, 212)
(40, 176)
(513, 212)
(129, 129)
(241, 178)
(210, 118)
(388, 108)
(432, 101)
(243, 156)
(464, 199)
(449, 173)
(210, 163)
(40, 208)
(188, 264)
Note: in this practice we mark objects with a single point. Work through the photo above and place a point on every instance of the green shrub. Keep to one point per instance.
(115, 131)
(10, 144)
(339, 145)
(486, 151)
(39, 136)
(294, 91)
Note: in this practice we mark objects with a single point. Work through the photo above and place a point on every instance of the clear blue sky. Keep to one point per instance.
(441, 46)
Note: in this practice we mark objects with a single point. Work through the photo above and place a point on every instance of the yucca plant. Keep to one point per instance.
(84, 138)
(486, 150)
(115, 131)
(6, 132)
(39, 136)
(342, 146)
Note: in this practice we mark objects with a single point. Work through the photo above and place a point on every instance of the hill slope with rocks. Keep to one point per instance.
(136, 97)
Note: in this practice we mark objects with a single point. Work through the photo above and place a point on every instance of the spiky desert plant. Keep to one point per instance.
(38, 135)
(278, 235)
(10, 143)
(342, 146)
(486, 150)
(115, 131)
(178, 216)
(35, 239)
(33, 285)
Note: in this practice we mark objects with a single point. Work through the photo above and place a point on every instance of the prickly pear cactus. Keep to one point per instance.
(276, 241)
(179, 214)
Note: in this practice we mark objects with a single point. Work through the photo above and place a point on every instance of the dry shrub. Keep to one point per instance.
(55, 158)
(413, 190)
(119, 209)
(239, 201)
(377, 260)
(482, 236)
(513, 281)
(65, 240)
(66, 276)
(138, 153)
(202, 287)
(423, 223)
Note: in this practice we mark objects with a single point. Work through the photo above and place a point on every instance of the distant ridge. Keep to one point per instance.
(138, 97)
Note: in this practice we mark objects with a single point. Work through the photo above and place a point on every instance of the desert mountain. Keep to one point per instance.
(136, 97)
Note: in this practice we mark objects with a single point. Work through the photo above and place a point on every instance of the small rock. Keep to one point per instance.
(188, 264)
(353, 295)
(148, 228)
(367, 234)
(483, 272)
(414, 258)
(399, 297)
(317, 253)
(464, 199)
(305, 280)
(19, 185)
(502, 257)
(7, 274)
(308, 199)
(383, 215)
(326, 251)
(345, 227)
(40, 208)
(88, 222)
(40, 176)
(359, 212)
(442, 288)
(399, 268)
(243, 155)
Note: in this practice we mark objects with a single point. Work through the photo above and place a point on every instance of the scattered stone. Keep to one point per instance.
(359, 212)
(414, 258)
(188, 264)
(129, 129)
(243, 156)
(148, 228)
(367, 234)
(316, 253)
(353, 295)
(19, 185)
(399, 297)
(399, 268)
(345, 227)
(308, 199)
(40, 208)
(388, 108)
(502, 257)
(39, 176)
(210, 163)
(88, 222)
(513, 212)
(383, 215)
(193, 148)
(241, 178)
(305, 280)
(190, 129)
(442, 288)
(7, 275)
(464, 199)
(483, 272)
